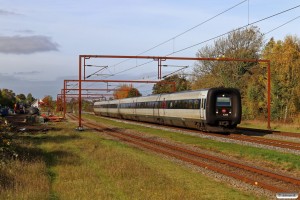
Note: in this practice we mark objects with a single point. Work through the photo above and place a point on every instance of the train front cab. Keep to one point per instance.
(223, 107)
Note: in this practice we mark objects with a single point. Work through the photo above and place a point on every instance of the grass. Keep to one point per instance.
(66, 164)
(285, 161)
(19, 179)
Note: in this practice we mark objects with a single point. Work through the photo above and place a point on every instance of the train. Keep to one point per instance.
(211, 110)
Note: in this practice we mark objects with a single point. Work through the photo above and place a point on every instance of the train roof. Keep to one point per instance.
(168, 95)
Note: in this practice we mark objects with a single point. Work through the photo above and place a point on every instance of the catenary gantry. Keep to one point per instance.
(160, 59)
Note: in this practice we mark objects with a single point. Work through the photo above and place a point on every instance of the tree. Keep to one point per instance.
(47, 103)
(21, 98)
(8, 98)
(165, 86)
(241, 44)
(133, 92)
(29, 99)
(87, 106)
(1, 98)
(125, 91)
(73, 105)
(285, 72)
(248, 77)
(59, 104)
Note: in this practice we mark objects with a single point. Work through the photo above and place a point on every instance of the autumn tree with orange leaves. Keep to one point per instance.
(126, 91)
(285, 72)
(47, 104)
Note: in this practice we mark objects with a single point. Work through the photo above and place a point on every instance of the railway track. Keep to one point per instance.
(244, 135)
(248, 174)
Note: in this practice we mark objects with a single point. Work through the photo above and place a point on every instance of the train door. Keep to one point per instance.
(202, 109)
(133, 106)
(156, 107)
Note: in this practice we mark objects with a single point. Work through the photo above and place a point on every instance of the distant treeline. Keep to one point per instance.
(8, 98)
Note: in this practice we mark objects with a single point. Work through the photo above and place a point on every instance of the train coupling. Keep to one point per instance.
(223, 123)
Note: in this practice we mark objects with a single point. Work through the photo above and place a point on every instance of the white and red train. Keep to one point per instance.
(214, 109)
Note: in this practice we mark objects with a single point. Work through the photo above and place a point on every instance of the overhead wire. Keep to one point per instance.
(190, 29)
(281, 25)
(218, 36)
(184, 32)
(173, 38)
(210, 39)
(242, 27)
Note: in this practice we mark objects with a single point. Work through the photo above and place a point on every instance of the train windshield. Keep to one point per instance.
(223, 101)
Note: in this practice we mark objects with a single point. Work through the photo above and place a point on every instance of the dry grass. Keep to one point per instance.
(86, 165)
(24, 180)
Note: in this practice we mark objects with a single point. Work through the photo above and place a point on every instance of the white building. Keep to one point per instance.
(37, 103)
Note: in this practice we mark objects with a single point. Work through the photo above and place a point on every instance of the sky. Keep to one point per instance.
(40, 41)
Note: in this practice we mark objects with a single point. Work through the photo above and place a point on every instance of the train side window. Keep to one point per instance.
(186, 104)
(196, 104)
(153, 104)
(191, 104)
(180, 103)
(175, 106)
(150, 104)
(183, 104)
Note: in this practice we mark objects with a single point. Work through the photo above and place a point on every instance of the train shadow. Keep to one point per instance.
(251, 131)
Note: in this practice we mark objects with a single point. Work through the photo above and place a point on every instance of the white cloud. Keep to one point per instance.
(26, 44)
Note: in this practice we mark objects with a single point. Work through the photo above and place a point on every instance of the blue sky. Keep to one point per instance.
(40, 40)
